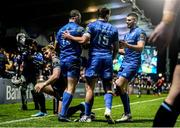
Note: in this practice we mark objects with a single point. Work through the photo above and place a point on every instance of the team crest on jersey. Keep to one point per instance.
(87, 29)
(124, 74)
(133, 34)
(80, 29)
(142, 37)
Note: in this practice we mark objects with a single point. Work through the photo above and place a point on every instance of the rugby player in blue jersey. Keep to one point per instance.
(70, 52)
(104, 46)
(133, 44)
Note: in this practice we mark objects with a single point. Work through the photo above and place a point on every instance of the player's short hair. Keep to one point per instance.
(103, 12)
(133, 14)
(30, 42)
(1, 50)
(35, 42)
(74, 13)
(50, 47)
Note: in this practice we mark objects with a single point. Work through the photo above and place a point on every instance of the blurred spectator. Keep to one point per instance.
(83, 61)
(3, 62)
(159, 84)
(31, 65)
(148, 84)
(10, 65)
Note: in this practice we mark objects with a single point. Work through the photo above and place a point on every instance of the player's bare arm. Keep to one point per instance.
(50, 81)
(83, 39)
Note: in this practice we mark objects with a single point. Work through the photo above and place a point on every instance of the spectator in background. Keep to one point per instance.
(10, 66)
(149, 84)
(3, 62)
(82, 69)
(159, 84)
(30, 67)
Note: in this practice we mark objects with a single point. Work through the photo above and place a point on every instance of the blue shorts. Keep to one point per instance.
(128, 71)
(99, 67)
(70, 68)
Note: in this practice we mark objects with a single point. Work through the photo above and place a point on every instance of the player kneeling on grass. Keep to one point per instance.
(54, 85)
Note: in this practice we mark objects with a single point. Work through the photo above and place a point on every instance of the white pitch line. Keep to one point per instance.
(139, 118)
(32, 118)
(25, 119)
(145, 101)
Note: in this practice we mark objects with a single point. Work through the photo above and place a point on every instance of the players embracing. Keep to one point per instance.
(104, 45)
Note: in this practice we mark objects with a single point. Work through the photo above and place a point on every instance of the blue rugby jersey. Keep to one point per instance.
(103, 35)
(69, 49)
(131, 56)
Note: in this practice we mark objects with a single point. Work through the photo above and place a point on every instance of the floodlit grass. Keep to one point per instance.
(143, 111)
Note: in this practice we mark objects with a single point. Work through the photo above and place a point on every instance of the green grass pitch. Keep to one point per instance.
(143, 110)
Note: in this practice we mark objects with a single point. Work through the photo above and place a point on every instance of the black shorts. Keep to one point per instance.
(59, 86)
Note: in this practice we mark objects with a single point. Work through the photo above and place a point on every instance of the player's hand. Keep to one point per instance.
(121, 51)
(38, 87)
(66, 35)
(159, 32)
(115, 61)
(123, 44)
(120, 43)
(161, 35)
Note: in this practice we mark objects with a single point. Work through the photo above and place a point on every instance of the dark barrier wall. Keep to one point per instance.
(11, 94)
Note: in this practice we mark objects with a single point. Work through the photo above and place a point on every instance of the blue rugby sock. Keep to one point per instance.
(126, 103)
(67, 98)
(88, 107)
(108, 100)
